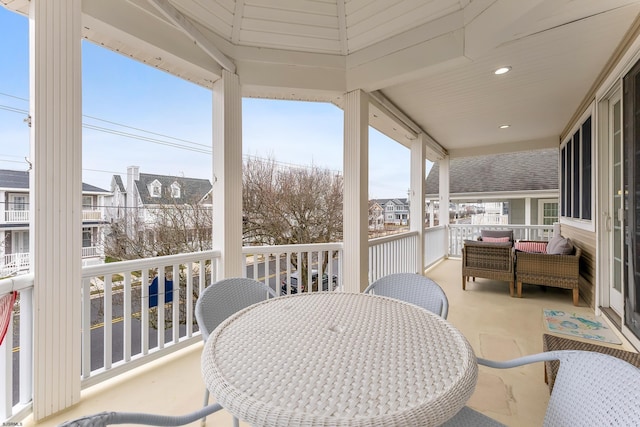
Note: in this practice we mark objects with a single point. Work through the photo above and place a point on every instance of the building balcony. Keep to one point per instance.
(22, 216)
(130, 364)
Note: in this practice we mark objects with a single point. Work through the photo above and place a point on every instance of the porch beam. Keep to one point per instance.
(436, 151)
(417, 209)
(356, 191)
(227, 174)
(56, 201)
(184, 24)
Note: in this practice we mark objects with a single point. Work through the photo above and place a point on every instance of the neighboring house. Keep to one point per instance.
(14, 222)
(525, 183)
(376, 216)
(396, 211)
(145, 198)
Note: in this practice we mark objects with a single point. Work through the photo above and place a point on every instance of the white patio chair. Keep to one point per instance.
(222, 299)
(413, 288)
(591, 389)
(108, 418)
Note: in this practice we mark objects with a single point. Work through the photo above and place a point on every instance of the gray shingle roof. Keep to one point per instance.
(518, 171)
(192, 190)
(117, 182)
(19, 180)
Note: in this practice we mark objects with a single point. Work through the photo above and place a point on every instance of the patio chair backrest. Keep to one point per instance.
(226, 297)
(413, 288)
(594, 389)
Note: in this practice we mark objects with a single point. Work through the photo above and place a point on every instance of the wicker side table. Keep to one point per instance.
(552, 342)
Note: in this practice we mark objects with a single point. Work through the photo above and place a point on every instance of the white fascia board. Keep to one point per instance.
(139, 31)
(281, 74)
(506, 195)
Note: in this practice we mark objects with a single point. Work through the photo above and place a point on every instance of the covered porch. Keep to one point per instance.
(497, 326)
(425, 79)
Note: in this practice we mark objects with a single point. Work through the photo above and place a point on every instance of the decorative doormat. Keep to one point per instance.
(579, 325)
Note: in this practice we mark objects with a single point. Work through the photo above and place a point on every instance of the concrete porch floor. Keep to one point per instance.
(497, 326)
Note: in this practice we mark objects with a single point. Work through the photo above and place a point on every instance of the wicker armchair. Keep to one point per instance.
(558, 271)
(488, 260)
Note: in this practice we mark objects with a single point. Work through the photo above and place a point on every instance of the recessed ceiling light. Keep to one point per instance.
(502, 70)
(504, 126)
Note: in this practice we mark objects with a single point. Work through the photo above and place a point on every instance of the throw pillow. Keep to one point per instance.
(560, 246)
(496, 233)
(533, 247)
(495, 239)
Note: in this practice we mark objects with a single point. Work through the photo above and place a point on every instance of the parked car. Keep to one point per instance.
(314, 279)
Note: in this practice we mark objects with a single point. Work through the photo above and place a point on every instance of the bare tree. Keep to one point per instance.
(160, 230)
(291, 206)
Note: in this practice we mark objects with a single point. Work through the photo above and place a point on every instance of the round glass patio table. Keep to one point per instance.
(339, 359)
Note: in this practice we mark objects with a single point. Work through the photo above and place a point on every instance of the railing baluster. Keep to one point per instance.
(86, 327)
(160, 306)
(144, 312)
(187, 300)
(126, 318)
(175, 323)
(108, 320)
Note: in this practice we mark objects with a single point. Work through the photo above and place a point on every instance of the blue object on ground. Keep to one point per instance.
(153, 292)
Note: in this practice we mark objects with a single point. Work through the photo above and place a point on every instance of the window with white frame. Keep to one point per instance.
(18, 202)
(87, 202)
(175, 190)
(576, 168)
(155, 189)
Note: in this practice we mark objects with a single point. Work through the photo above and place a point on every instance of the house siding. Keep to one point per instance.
(585, 240)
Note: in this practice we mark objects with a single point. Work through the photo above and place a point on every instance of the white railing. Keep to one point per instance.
(16, 351)
(458, 233)
(13, 264)
(118, 307)
(91, 215)
(393, 254)
(16, 216)
(273, 265)
(91, 251)
(435, 245)
(123, 329)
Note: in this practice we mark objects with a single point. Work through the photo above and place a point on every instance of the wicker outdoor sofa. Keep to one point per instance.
(502, 260)
(558, 271)
(489, 260)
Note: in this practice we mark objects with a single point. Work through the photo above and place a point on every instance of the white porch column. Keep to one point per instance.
(417, 209)
(56, 201)
(443, 193)
(227, 174)
(356, 185)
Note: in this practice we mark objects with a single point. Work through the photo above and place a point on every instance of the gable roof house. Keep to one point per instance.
(396, 211)
(148, 199)
(422, 73)
(527, 181)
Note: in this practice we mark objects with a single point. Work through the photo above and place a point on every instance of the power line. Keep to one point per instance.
(146, 131)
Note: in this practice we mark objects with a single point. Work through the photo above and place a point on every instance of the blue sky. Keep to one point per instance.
(170, 120)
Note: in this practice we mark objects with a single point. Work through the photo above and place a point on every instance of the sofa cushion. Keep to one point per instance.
(559, 245)
(485, 244)
(496, 239)
(496, 233)
(533, 247)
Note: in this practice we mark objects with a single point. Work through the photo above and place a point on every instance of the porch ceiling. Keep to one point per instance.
(432, 59)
